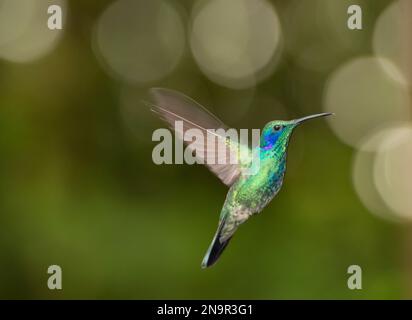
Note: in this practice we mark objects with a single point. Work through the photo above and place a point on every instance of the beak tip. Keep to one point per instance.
(325, 114)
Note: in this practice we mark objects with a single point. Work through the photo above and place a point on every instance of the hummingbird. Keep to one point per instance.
(248, 193)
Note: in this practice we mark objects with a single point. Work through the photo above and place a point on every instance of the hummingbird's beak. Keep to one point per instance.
(313, 116)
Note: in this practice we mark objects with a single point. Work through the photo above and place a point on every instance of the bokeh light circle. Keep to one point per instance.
(364, 99)
(391, 40)
(363, 175)
(24, 33)
(140, 41)
(393, 172)
(235, 42)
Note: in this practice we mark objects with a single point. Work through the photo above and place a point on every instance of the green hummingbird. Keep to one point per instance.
(248, 193)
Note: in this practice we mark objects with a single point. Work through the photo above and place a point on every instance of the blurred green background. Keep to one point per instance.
(78, 187)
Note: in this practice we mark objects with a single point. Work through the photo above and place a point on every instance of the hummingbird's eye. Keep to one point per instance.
(277, 127)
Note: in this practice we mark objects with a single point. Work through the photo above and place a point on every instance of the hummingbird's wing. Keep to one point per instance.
(173, 106)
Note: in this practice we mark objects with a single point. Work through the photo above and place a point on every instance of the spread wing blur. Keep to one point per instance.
(173, 106)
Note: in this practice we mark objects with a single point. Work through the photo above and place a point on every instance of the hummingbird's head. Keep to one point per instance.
(277, 132)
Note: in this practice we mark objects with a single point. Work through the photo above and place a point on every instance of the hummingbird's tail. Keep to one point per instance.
(216, 248)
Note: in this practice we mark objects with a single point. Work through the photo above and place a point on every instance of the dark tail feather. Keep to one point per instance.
(215, 249)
